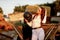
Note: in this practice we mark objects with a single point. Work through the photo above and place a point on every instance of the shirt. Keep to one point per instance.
(36, 22)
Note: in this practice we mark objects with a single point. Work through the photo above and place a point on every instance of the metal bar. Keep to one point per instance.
(6, 36)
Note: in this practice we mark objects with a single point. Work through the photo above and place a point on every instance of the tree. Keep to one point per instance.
(1, 11)
(17, 9)
(20, 8)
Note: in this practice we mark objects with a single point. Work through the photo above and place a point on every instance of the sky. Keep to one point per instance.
(8, 5)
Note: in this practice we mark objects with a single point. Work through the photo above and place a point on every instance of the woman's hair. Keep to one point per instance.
(33, 9)
(42, 13)
(43, 10)
(28, 16)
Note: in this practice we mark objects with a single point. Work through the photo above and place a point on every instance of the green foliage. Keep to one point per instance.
(20, 8)
(1, 11)
(17, 9)
(18, 23)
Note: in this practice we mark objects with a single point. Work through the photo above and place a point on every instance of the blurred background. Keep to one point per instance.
(11, 11)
